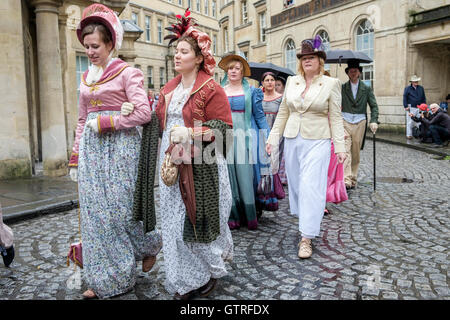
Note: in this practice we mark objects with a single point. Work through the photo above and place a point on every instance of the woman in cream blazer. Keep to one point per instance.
(309, 115)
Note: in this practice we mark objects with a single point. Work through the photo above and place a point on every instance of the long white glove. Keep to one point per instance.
(127, 108)
(373, 127)
(180, 134)
(93, 125)
(73, 172)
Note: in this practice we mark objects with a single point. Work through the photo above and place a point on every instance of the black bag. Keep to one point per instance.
(416, 132)
(7, 255)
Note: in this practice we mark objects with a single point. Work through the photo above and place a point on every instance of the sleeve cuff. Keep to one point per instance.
(105, 124)
(202, 134)
(73, 162)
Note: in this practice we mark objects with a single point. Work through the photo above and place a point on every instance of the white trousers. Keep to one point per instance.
(307, 164)
(410, 123)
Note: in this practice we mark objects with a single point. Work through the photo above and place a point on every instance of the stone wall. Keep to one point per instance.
(14, 127)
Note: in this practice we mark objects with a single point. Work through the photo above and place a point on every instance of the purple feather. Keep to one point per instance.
(317, 42)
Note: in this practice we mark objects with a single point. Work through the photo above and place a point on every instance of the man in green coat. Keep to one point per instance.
(355, 97)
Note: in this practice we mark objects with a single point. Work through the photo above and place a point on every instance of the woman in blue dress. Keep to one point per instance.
(250, 130)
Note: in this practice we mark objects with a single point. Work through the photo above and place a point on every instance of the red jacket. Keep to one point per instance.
(207, 101)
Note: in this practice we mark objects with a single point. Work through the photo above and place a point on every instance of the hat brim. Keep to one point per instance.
(96, 19)
(321, 54)
(415, 80)
(225, 60)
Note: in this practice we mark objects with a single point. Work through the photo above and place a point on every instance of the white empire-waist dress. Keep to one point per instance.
(189, 266)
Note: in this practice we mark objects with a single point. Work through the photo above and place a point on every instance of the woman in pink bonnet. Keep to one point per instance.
(105, 159)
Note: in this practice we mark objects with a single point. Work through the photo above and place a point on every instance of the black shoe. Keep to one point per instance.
(8, 256)
(187, 296)
(207, 288)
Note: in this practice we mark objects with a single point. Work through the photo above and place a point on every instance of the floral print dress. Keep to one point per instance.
(112, 240)
(188, 266)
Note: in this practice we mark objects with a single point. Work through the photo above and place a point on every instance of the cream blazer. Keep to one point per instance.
(310, 117)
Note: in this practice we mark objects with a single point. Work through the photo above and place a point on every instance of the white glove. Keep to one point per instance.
(73, 172)
(127, 108)
(373, 127)
(180, 134)
(93, 125)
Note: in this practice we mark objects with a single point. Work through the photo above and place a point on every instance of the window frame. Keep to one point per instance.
(244, 12)
(150, 79)
(365, 42)
(133, 16)
(262, 27)
(226, 40)
(290, 58)
(162, 73)
(325, 37)
(214, 8)
(206, 7)
(148, 28)
(79, 70)
(214, 43)
(160, 31)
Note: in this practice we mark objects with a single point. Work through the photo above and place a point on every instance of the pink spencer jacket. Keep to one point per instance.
(119, 83)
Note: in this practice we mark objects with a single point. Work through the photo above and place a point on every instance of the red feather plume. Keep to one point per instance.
(180, 28)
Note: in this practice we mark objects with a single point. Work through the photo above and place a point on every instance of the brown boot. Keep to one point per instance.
(187, 296)
(205, 290)
(148, 263)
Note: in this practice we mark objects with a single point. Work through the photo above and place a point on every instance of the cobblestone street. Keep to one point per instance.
(392, 244)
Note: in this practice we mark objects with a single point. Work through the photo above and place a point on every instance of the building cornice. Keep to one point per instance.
(306, 10)
(226, 5)
(244, 44)
(242, 26)
(165, 14)
(259, 3)
(223, 20)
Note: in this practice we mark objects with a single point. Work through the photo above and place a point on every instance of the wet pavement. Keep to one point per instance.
(389, 244)
(24, 198)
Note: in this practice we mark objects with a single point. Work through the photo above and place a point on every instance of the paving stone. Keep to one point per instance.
(392, 248)
(389, 295)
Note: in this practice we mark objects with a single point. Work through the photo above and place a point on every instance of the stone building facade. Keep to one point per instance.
(403, 37)
(42, 59)
(43, 62)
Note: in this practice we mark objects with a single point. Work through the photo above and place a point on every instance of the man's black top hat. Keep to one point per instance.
(353, 63)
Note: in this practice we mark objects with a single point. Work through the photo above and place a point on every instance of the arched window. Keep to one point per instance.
(326, 43)
(364, 43)
(290, 59)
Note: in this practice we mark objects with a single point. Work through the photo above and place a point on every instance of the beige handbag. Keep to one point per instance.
(169, 170)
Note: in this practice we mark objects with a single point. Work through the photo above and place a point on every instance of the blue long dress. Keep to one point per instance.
(244, 162)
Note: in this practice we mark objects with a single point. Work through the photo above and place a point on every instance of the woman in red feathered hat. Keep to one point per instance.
(193, 111)
(105, 158)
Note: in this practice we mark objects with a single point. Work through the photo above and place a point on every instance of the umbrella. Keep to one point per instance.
(258, 69)
(342, 56)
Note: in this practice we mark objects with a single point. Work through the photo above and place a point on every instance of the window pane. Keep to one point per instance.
(365, 43)
(290, 57)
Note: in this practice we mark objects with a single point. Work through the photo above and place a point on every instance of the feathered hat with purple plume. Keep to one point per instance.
(312, 47)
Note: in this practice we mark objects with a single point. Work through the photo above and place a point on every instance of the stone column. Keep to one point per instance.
(54, 145)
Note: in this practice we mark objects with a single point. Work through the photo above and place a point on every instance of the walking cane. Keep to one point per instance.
(374, 166)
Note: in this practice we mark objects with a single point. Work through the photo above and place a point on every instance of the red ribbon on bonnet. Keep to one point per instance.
(204, 43)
